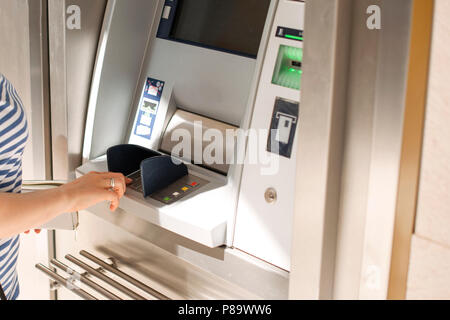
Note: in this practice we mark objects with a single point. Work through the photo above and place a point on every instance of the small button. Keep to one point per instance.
(167, 199)
(185, 189)
(176, 194)
(194, 184)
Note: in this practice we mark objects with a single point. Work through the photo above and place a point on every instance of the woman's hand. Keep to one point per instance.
(94, 188)
(91, 189)
(34, 209)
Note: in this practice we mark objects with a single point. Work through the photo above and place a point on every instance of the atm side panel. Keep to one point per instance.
(265, 210)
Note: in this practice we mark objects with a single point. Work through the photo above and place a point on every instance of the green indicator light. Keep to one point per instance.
(293, 37)
(167, 199)
(287, 71)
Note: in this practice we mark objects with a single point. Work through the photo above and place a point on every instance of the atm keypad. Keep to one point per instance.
(137, 181)
(179, 189)
(176, 191)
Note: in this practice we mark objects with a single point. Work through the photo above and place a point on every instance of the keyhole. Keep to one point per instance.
(270, 195)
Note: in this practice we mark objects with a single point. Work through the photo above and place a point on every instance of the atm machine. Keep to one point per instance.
(214, 87)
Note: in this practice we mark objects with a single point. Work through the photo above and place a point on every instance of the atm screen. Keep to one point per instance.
(230, 25)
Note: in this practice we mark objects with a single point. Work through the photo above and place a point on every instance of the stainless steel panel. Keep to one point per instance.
(40, 91)
(72, 59)
(320, 147)
(125, 34)
(58, 88)
(362, 192)
(389, 107)
(177, 267)
(81, 51)
(356, 166)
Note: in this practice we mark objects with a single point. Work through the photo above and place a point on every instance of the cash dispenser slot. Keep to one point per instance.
(196, 127)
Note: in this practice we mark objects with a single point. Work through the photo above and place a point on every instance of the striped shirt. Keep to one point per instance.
(13, 136)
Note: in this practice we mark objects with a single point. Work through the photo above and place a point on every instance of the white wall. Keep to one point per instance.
(429, 276)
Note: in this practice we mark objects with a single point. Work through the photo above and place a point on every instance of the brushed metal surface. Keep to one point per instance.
(120, 55)
(65, 282)
(40, 90)
(389, 112)
(81, 50)
(175, 266)
(71, 60)
(345, 211)
(356, 165)
(111, 267)
(320, 148)
(58, 88)
(85, 280)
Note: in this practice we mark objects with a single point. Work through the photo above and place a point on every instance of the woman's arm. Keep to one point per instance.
(20, 212)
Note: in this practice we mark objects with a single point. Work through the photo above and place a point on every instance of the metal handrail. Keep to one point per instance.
(104, 278)
(124, 276)
(100, 274)
(65, 283)
(83, 279)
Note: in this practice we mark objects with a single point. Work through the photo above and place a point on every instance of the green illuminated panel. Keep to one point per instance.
(293, 37)
(288, 69)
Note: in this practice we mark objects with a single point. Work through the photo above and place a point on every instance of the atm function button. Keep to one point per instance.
(194, 184)
(185, 189)
(176, 194)
(167, 199)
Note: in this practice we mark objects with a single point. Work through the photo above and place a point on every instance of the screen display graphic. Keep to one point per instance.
(148, 108)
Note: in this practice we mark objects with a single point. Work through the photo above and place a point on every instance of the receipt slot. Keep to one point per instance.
(285, 123)
(283, 127)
